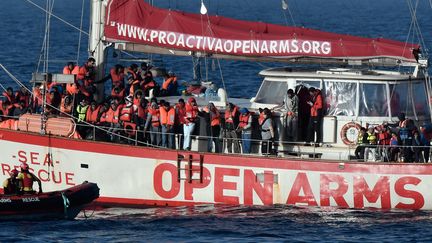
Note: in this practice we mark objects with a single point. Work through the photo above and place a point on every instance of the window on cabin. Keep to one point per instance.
(420, 99)
(340, 98)
(271, 92)
(401, 98)
(373, 100)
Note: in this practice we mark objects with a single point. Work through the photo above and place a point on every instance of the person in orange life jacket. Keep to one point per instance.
(126, 111)
(112, 117)
(9, 95)
(169, 86)
(92, 115)
(23, 95)
(66, 105)
(27, 179)
(140, 109)
(180, 110)
(134, 71)
(384, 142)
(134, 85)
(148, 85)
(215, 128)
(87, 72)
(11, 186)
(314, 128)
(245, 127)
(267, 133)
(153, 124)
(71, 68)
(116, 75)
(167, 118)
(231, 122)
(191, 114)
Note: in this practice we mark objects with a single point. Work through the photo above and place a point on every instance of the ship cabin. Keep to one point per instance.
(365, 97)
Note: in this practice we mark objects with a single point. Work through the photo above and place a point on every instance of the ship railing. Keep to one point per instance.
(366, 153)
(360, 153)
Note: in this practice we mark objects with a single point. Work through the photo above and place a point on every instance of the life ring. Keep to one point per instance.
(349, 133)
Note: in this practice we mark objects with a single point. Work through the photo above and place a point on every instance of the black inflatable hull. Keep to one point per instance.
(64, 204)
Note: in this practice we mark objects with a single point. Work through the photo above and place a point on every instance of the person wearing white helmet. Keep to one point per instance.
(27, 179)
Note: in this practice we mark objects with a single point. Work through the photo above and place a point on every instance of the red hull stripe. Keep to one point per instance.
(217, 159)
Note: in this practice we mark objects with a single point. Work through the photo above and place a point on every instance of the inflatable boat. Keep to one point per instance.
(65, 204)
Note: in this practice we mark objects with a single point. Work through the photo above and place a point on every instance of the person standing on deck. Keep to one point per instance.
(245, 127)
(291, 108)
(314, 128)
(167, 117)
(153, 123)
(180, 121)
(214, 127)
(190, 119)
(87, 72)
(267, 133)
(231, 123)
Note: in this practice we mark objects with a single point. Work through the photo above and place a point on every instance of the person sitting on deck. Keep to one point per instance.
(27, 180)
(11, 185)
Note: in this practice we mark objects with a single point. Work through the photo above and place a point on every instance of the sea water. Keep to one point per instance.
(21, 34)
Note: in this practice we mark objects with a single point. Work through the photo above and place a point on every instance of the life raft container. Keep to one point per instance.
(9, 124)
(349, 133)
(58, 126)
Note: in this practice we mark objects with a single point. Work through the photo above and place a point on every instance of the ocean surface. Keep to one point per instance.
(22, 30)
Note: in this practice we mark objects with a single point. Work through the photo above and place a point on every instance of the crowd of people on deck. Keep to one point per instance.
(400, 142)
(128, 117)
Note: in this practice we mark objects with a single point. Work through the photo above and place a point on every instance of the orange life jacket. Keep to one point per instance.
(155, 117)
(167, 117)
(112, 116)
(66, 70)
(126, 113)
(244, 119)
(215, 118)
(229, 116)
(191, 113)
(116, 78)
(134, 87)
(168, 81)
(120, 95)
(92, 115)
(65, 109)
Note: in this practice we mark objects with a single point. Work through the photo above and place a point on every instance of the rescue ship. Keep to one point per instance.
(314, 176)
